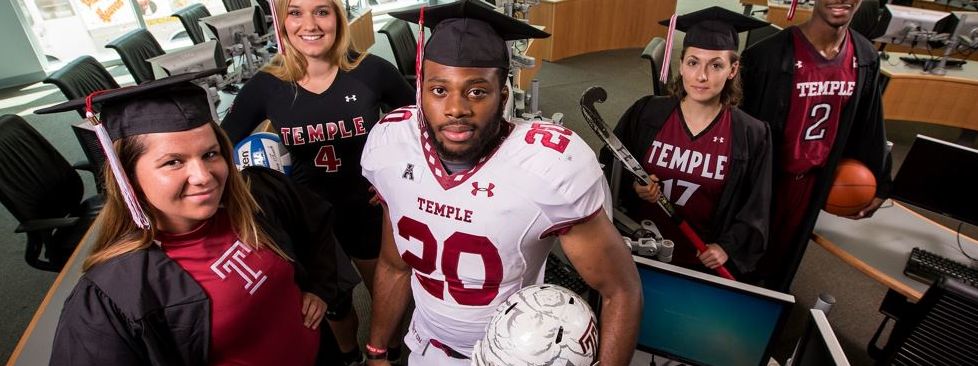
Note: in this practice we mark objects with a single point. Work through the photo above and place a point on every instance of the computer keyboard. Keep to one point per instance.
(927, 267)
(562, 274)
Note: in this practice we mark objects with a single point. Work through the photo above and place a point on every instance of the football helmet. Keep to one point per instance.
(539, 325)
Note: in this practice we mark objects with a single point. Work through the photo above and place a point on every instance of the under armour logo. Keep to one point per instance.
(232, 261)
(351, 98)
(798, 65)
(854, 63)
(488, 190)
(408, 172)
(718, 139)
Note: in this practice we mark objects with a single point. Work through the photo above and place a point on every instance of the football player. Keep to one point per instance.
(474, 203)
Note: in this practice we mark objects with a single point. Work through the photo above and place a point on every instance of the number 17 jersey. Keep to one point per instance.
(475, 237)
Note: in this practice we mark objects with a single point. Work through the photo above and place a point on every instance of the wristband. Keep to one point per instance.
(375, 353)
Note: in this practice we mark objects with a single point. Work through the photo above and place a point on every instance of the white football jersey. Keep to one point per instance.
(475, 237)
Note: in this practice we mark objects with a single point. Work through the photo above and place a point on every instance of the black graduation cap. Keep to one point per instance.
(469, 33)
(170, 104)
(714, 28)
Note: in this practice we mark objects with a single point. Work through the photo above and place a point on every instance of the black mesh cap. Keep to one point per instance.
(469, 33)
(714, 28)
(170, 104)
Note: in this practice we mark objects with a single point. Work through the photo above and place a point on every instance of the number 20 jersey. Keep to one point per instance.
(475, 237)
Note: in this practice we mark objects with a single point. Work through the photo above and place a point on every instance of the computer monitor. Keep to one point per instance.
(818, 345)
(199, 57)
(701, 319)
(939, 176)
(227, 28)
(904, 20)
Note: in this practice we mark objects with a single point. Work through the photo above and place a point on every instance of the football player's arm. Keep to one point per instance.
(597, 252)
(393, 279)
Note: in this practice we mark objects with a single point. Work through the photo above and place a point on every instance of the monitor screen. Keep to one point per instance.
(819, 346)
(702, 319)
(905, 19)
(199, 57)
(939, 176)
(227, 27)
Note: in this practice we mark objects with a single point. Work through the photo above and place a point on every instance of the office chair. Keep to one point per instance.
(78, 79)
(404, 46)
(190, 16)
(654, 52)
(134, 48)
(937, 330)
(43, 193)
(232, 5)
(81, 77)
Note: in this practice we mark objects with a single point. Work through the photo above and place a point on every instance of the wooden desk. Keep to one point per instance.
(34, 347)
(879, 246)
(912, 95)
(942, 5)
(362, 30)
(583, 26)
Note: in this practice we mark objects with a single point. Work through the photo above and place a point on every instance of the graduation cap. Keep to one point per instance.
(171, 104)
(468, 33)
(713, 28)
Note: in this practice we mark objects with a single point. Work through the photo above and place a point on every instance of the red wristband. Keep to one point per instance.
(374, 350)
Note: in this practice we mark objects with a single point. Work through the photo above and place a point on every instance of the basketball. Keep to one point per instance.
(853, 189)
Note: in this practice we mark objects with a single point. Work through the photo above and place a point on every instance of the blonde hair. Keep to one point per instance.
(118, 234)
(290, 65)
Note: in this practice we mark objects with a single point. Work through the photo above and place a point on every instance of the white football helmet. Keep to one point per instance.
(539, 325)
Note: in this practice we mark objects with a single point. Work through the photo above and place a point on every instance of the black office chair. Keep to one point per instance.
(232, 5)
(190, 16)
(867, 20)
(81, 77)
(404, 46)
(940, 329)
(78, 79)
(134, 48)
(655, 51)
(44, 193)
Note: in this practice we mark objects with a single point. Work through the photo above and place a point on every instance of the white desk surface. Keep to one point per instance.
(879, 246)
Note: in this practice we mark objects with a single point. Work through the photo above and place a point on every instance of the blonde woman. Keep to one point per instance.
(210, 278)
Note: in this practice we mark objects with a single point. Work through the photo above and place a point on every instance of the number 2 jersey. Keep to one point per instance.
(477, 236)
(821, 89)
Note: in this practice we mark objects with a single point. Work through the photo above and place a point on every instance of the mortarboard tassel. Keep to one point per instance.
(125, 188)
(791, 9)
(278, 37)
(666, 58)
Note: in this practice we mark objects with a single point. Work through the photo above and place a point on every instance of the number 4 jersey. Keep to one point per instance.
(477, 236)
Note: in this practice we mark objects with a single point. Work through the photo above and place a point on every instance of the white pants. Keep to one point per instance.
(434, 356)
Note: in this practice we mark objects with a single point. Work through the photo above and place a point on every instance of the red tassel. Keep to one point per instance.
(418, 60)
(278, 36)
(666, 59)
(791, 9)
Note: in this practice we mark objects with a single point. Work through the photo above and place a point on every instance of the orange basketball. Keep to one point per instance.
(853, 189)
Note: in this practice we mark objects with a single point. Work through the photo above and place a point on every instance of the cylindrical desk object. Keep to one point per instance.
(665, 250)
(824, 303)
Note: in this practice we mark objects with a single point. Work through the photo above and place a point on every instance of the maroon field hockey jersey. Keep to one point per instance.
(821, 89)
(692, 170)
(256, 306)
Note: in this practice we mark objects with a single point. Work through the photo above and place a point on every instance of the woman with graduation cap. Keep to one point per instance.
(187, 268)
(709, 158)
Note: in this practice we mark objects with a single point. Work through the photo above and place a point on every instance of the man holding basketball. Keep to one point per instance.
(817, 86)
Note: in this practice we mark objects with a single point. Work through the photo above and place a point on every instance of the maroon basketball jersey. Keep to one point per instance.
(692, 170)
(256, 306)
(820, 91)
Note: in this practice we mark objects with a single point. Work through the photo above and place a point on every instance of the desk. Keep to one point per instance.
(912, 95)
(942, 5)
(34, 347)
(879, 246)
(582, 26)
